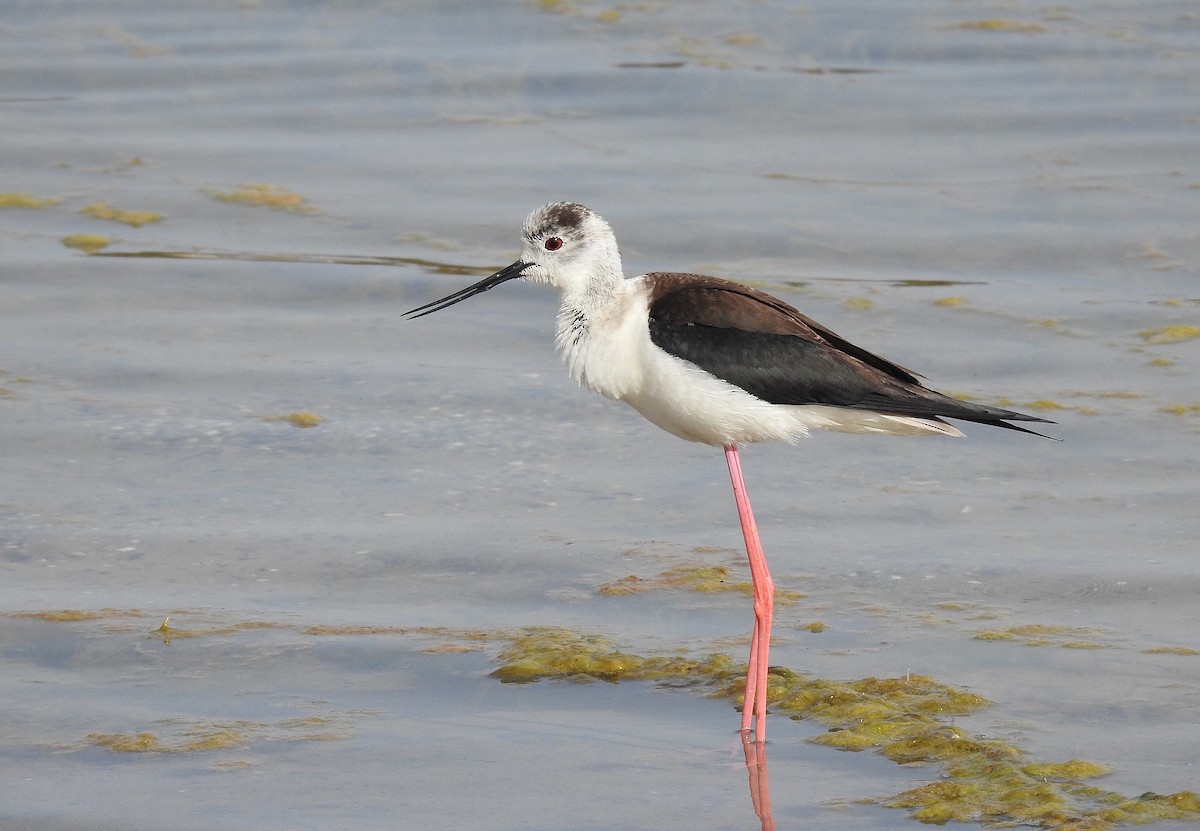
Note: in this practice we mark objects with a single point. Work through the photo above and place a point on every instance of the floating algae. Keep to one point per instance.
(200, 737)
(1074, 769)
(1046, 404)
(858, 304)
(1041, 634)
(1169, 334)
(269, 196)
(302, 420)
(909, 720)
(169, 632)
(24, 200)
(1171, 650)
(453, 641)
(136, 219)
(704, 578)
(73, 615)
(88, 243)
(1001, 25)
(906, 719)
(549, 652)
(1181, 409)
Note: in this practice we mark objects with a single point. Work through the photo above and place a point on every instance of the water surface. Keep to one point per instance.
(1001, 196)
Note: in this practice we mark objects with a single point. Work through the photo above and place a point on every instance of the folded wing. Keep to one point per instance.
(772, 351)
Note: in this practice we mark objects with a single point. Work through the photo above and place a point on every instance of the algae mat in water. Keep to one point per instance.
(909, 720)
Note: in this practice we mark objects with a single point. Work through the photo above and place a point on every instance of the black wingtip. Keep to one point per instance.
(1007, 425)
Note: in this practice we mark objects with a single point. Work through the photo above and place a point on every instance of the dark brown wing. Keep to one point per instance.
(764, 346)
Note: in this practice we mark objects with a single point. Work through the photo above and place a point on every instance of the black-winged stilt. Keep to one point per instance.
(716, 362)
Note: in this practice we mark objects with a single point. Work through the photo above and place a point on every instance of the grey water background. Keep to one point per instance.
(1009, 208)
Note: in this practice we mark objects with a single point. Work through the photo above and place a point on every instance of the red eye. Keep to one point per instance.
(553, 244)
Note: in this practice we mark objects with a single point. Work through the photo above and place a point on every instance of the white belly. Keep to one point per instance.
(690, 403)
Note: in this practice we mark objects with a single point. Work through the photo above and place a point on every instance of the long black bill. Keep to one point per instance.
(505, 274)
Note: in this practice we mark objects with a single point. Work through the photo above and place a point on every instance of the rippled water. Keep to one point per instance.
(1001, 196)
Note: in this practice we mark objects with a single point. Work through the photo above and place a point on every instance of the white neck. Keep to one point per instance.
(595, 332)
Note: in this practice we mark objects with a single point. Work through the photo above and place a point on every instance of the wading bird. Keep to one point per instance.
(717, 362)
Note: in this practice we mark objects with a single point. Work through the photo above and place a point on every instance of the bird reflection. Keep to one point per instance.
(760, 791)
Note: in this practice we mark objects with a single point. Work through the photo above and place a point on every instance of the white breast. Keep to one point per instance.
(609, 351)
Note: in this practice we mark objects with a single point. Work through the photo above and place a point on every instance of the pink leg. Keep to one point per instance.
(760, 789)
(754, 707)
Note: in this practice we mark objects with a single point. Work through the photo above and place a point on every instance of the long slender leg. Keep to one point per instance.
(754, 707)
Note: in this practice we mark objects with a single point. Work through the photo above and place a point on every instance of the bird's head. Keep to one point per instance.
(566, 245)
(563, 244)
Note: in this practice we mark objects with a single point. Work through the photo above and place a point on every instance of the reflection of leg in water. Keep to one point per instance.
(760, 792)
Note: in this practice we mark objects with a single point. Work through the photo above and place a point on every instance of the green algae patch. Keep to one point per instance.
(995, 635)
(1001, 25)
(544, 653)
(358, 630)
(24, 200)
(1181, 409)
(169, 633)
(452, 639)
(1041, 634)
(909, 720)
(631, 584)
(127, 743)
(1151, 806)
(193, 739)
(219, 737)
(1045, 405)
(183, 736)
(73, 615)
(303, 420)
(87, 243)
(1169, 334)
(1069, 806)
(267, 196)
(1003, 793)
(307, 723)
(451, 648)
(327, 727)
(704, 579)
(136, 219)
(816, 627)
(206, 737)
(910, 700)
(858, 304)
(899, 717)
(1073, 769)
(950, 302)
(1171, 650)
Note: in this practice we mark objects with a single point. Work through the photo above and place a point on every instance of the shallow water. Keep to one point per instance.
(1009, 208)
